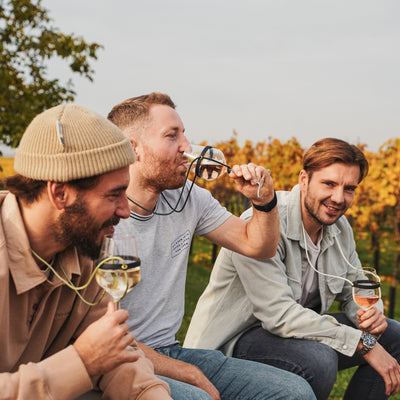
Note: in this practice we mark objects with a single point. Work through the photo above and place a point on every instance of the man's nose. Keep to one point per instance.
(338, 195)
(184, 144)
(123, 210)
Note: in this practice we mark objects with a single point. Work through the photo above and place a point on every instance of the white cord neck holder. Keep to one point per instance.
(322, 273)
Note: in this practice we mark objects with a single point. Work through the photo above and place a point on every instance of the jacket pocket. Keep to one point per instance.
(335, 285)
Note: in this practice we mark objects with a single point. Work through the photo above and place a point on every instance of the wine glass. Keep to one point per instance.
(118, 266)
(367, 288)
(206, 162)
(209, 163)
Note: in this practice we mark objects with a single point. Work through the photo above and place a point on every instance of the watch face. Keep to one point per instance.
(369, 340)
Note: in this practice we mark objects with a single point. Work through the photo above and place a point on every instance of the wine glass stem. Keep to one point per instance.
(116, 306)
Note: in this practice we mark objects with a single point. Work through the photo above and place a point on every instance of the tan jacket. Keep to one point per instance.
(39, 320)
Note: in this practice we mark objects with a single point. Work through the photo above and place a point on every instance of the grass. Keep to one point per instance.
(199, 269)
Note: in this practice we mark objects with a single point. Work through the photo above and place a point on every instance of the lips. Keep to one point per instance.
(184, 164)
(334, 209)
(109, 230)
(110, 223)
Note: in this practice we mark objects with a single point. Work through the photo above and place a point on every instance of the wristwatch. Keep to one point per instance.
(368, 342)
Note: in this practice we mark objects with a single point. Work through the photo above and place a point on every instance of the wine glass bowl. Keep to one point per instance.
(367, 288)
(209, 163)
(206, 162)
(118, 269)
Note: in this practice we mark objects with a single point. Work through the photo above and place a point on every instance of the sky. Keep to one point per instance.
(284, 68)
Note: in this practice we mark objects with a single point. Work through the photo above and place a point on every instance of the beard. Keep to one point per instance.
(161, 175)
(77, 227)
(311, 205)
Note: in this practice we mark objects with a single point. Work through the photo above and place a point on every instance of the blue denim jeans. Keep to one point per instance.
(319, 363)
(235, 379)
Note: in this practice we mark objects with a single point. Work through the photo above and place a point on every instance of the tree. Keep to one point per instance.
(27, 42)
(391, 165)
(369, 210)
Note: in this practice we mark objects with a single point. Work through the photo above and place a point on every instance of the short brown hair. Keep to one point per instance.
(29, 190)
(135, 108)
(328, 151)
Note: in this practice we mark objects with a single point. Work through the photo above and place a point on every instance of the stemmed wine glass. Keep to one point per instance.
(118, 266)
(367, 288)
(209, 163)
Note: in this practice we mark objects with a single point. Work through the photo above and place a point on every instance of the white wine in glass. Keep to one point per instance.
(367, 288)
(119, 271)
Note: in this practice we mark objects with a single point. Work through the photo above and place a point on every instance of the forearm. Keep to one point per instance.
(262, 227)
(47, 378)
(255, 236)
(387, 366)
(169, 367)
(258, 237)
(180, 371)
(263, 233)
(299, 322)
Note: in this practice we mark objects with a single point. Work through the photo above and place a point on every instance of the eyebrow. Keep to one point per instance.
(175, 128)
(118, 189)
(354, 187)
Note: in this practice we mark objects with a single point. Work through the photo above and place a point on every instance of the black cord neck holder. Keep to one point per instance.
(197, 174)
(366, 284)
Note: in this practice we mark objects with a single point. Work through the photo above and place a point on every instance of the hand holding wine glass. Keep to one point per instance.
(105, 344)
(118, 266)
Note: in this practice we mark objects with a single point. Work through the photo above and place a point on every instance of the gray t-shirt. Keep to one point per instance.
(310, 296)
(156, 303)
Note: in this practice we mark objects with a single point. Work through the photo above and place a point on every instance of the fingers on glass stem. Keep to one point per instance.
(262, 181)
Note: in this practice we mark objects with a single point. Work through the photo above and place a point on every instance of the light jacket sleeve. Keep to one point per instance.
(273, 299)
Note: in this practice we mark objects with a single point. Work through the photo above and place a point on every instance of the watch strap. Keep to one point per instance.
(269, 206)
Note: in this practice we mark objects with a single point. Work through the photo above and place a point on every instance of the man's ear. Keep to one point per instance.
(136, 148)
(133, 141)
(59, 194)
(303, 179)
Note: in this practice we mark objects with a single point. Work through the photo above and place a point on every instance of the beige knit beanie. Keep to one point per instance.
(69, 142)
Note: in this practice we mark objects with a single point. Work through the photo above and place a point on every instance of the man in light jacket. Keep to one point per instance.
(275, 311)
(69, 191)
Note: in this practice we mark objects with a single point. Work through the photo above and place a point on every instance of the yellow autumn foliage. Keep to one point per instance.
(376, 203)
(7, 167)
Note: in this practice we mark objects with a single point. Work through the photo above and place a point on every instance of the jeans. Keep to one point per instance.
(235, 379)
(319, 363)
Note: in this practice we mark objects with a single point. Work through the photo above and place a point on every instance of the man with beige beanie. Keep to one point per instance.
(69, 191)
